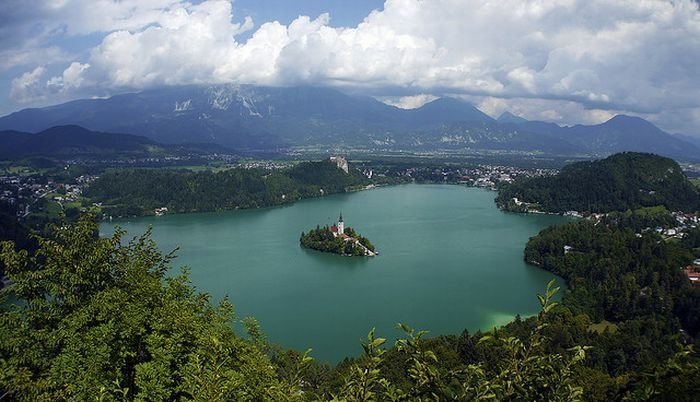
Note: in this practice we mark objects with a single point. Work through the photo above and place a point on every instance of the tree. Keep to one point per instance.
(527, 372)
(98, 319)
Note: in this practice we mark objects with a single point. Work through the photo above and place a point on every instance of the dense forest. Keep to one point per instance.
(99, 318)
(139, 191)
(103, 319)
(631, 279)
(625, 181)
(11, 229)
(322, 239)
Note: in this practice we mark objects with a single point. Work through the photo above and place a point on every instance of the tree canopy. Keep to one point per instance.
(100, 319)
(625, 181)
(129, 192)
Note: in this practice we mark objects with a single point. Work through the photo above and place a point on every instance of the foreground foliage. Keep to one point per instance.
(524, 372)
(632, 285)
(96, 318)
(99, 319)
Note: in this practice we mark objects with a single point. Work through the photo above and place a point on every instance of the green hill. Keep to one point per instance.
(71, 141)
(139, 191)
(620, 182)
(74, 141)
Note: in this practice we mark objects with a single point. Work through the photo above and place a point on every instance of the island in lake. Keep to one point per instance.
(338, 239)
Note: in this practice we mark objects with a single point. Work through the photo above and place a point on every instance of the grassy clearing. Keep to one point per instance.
(602, 326)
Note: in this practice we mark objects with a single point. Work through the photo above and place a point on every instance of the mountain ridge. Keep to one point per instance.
(76, 141)
(275, 118)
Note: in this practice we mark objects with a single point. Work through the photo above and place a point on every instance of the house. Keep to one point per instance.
(692, 274)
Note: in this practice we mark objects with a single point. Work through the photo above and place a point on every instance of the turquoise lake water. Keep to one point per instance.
(449, 260)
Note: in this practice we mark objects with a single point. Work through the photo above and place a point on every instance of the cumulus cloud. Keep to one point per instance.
(407, 102)
(72, 77)
(27, 87)
(637, 56)
(29, 20)
(556, 111)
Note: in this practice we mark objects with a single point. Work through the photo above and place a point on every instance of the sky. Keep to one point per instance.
(564, 61)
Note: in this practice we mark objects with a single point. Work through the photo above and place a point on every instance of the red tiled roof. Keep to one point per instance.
(691, 273)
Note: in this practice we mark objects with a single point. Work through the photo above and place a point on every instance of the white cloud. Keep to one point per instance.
(31, 56)
(73, 77)
(32, 19)
(556, 111)
(27, 87)
(637, 56)
(190, 44)
(407, 102)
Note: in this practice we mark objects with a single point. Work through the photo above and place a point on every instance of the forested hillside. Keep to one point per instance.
(140, 191)
(618, 183)
(617, 275)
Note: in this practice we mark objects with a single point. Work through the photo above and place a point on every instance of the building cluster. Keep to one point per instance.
(486, 176)
(21, 192)
(684, 222)
(192, 158)
(266, 165)
(490, 176)
(132, 162)
(160, 211)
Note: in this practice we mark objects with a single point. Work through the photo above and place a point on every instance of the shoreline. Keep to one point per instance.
(292, 202)
(284, 204)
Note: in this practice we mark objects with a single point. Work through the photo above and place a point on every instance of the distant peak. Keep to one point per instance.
(449, 109)
(624, 117)
(446, 100)
(66, 128)
(508, 117)
(622, 120)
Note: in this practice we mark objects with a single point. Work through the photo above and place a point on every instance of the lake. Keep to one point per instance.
(449, 260)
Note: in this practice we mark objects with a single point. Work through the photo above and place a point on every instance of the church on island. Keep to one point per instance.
(339, 229)
(338, 239)
(353, 238)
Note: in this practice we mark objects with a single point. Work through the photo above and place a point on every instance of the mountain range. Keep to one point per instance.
(74, 141)
(272, 118)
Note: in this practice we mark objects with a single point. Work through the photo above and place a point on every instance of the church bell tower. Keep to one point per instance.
(341, 224)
